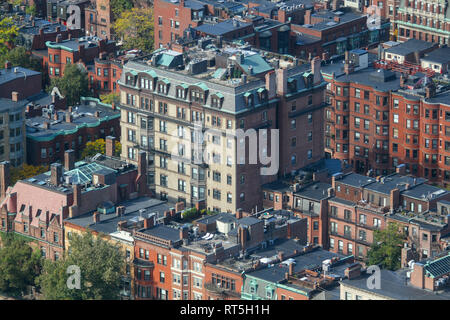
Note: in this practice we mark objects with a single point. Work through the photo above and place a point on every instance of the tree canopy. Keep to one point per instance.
(101, 266)
(119, 6)
(20, 57)
(19, 265)
(8, 32)
(99, 146)
(387, 247)
(135, 28)
(26, 171)
(110, 98)
(73, 85)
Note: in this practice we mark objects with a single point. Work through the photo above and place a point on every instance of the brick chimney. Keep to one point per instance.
(69, 159)
(69, 117)
(15, 96)
(281, 256)
(179, 206)
(96, 217)
(308, 16)
(394, 199)
(121, 225)
(271, 84)
(239, 213)
(8, 65)
(337, 19)
(97, 114)
(4, 178)
(403, 79)
(353, 271)
(184, 232)
(110, 145)
(315, 69)
(120, 211)
(76, 194)
(243, 237)
(430, 91)
(46, 125)
(149, 222)
(55, 116)
(291, 269)
(58, 38)
(282, 81)
(401, 169)
(55, 174)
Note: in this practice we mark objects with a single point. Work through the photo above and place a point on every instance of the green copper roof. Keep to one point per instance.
(219, 95)
(184, 85)
(247, 94)
(201, 85)
(261, 90)
(166, 81)
(151, 73)
(165, 60)
(257, 64)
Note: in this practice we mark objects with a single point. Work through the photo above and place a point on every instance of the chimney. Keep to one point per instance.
(315, 68)
(243, 237)
(110, 146)
(239, 213)
(271, 84)
(418, 276)
(394, 199)
(281, 256)
(15, 96)
(46, 125)
(281, 81)
(353, 271)
(333, 182)
(97, 114)
(41, 32)
(96, 217)
(69, 117)
(8, 65)
(55, 116)
(401, 169)
(325, 56)
(337, 19)
(58, 37)
(76, 194)
(403, 79)
(291, 269)
(55, 174)
(4, 178)
(121, 225)
(69, 160)
(184, 232)
(430, 91)
(149, 222)
(179, 206)
(120, 211)
(308, 16)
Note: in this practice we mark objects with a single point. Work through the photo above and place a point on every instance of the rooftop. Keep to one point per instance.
(410, 46)
(13, 73)
(441, 55)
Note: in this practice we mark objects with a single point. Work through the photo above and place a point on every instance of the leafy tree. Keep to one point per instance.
(119, 6)
(135, 28)
(26, 171)
(110, 98)
(387, 247)
(19, 265)
(99, 146)
(20, 57)
(73, 85)
(190, 214)
(101, 266)
(8, 31)
(31, 10)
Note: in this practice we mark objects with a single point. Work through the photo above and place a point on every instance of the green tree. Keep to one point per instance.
(8, 32)
(19, 265)
(31, 10)
(135, 28)
(387, 247)
(99, 146)
(26, 171)
(110, 98)
(101, 266)
(119, 6)
(20, 57)
(73, 85)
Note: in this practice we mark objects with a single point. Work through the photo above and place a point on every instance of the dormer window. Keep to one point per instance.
(146, 84)
(130, 78)
(197, 96)
(263, 94)
(163, 86)
(217, 100)
(249, 99)
(292, 85)
(181, 91)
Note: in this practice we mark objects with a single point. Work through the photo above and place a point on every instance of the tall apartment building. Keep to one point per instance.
(98, 19)
(223, 89)
(423, 20)
(379, 118)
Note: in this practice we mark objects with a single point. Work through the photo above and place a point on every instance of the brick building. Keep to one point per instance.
(161, 98)
(37, 32)
(54, 131)
(99, 19)
(81, 50)
(36, 207)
